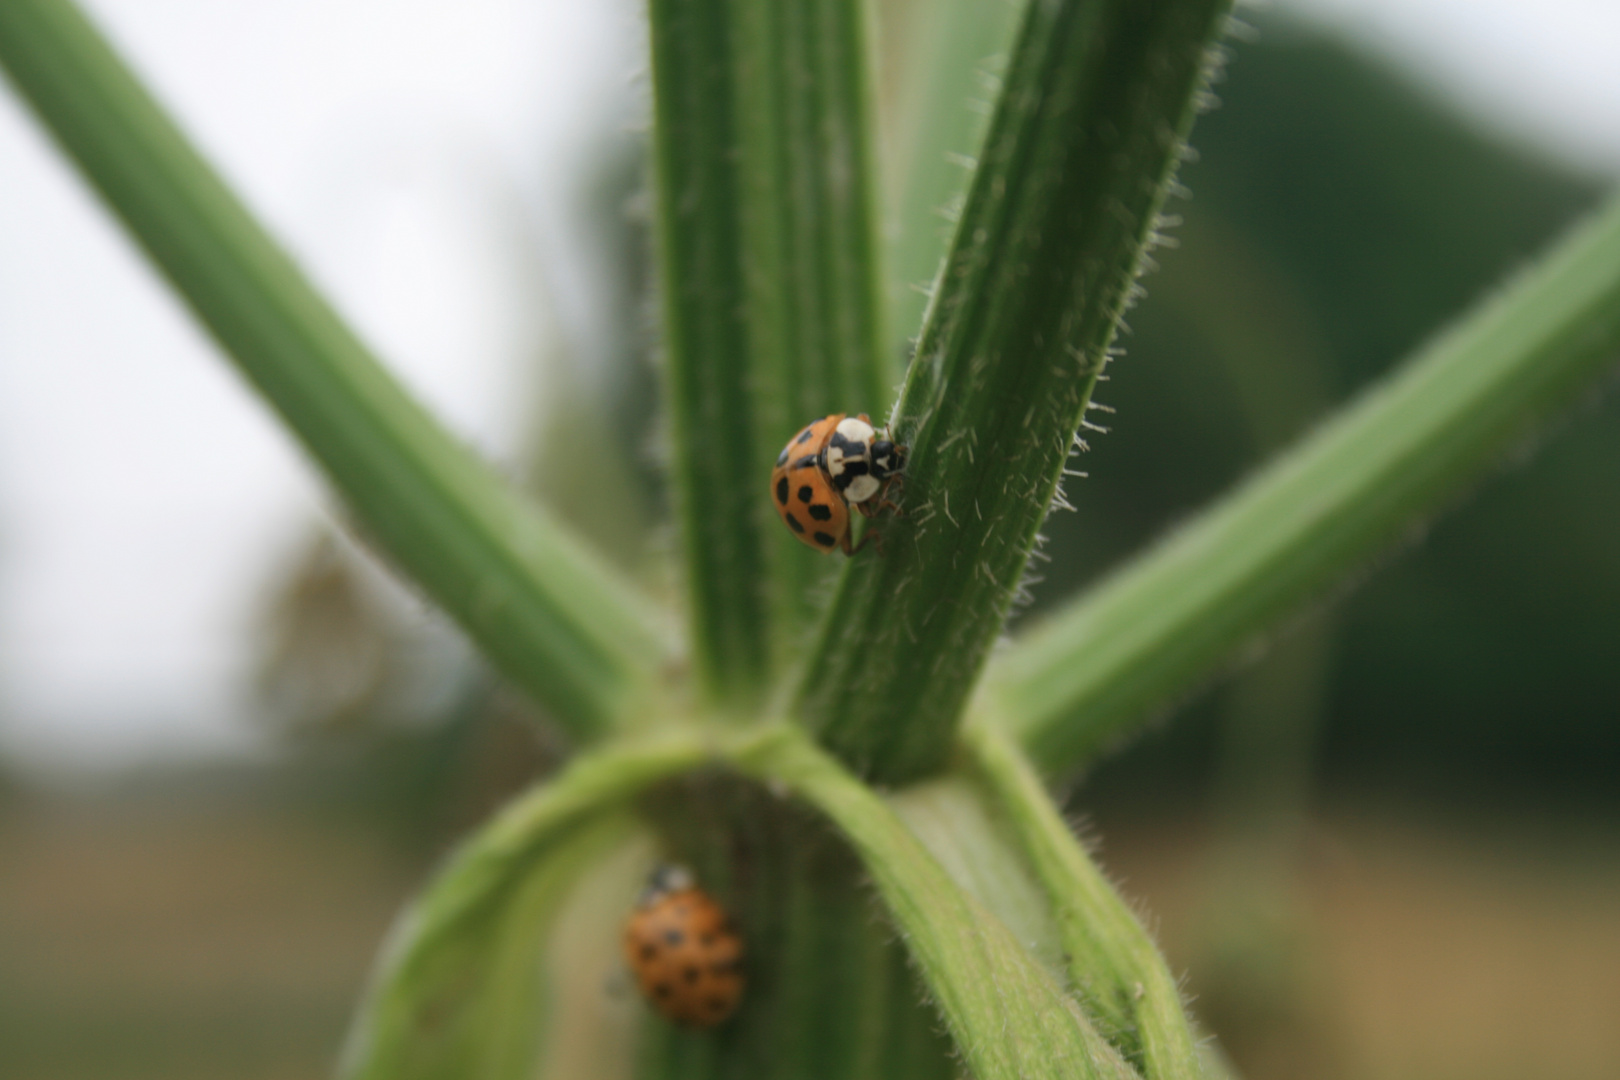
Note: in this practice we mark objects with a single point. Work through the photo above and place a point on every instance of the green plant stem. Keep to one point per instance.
(1097, 99)
(1009, 1017)
(1378, 469)
(1111, 958)
(770, 285)
(544, 609)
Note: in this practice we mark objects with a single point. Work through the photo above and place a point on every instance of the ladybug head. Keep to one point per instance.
(887, 459)
(665, 879)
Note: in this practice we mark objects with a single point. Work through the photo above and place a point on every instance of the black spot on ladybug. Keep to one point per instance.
(804, 436)
(794, 523)
(806, 462)
(673, 936)
(707, 938)
(821, 512)
(649, 950)
(824, 540)
(691, 974)
(781, 491)
(663, 990)
(718, 1004)
(806, 493)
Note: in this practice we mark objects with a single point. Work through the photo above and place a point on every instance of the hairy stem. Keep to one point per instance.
(770, 285)
(1097, 99)
(1378, 468)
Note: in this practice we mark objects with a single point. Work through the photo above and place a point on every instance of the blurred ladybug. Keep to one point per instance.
(835, 463)
(686, 954)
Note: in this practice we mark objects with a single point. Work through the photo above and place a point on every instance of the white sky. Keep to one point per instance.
(148, 500)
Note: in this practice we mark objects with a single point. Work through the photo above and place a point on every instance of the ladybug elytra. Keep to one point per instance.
(686, 953)
(832, 464)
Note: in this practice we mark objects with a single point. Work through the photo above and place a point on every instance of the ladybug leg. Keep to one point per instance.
(872, 536)
(899, 511)
(896, 483)
(874, 507)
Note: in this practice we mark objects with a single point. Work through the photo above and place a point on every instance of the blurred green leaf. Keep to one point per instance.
(968, 834)
(549, 614)
(1008, 1016)
(1112, 960)
(1096, 101)
(770, 282)
(1376, 469)
(458, 990)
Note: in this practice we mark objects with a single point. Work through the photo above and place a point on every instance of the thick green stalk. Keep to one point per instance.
(544, 609)
(1111, 958)
(1096, 101)
(770, 285)
(1008, 1016)
(1370, 474)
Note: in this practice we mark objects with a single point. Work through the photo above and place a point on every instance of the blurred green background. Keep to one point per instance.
(1386, 847)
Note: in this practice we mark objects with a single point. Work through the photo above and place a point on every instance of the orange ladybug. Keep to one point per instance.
(686, 954)
(830, 465)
